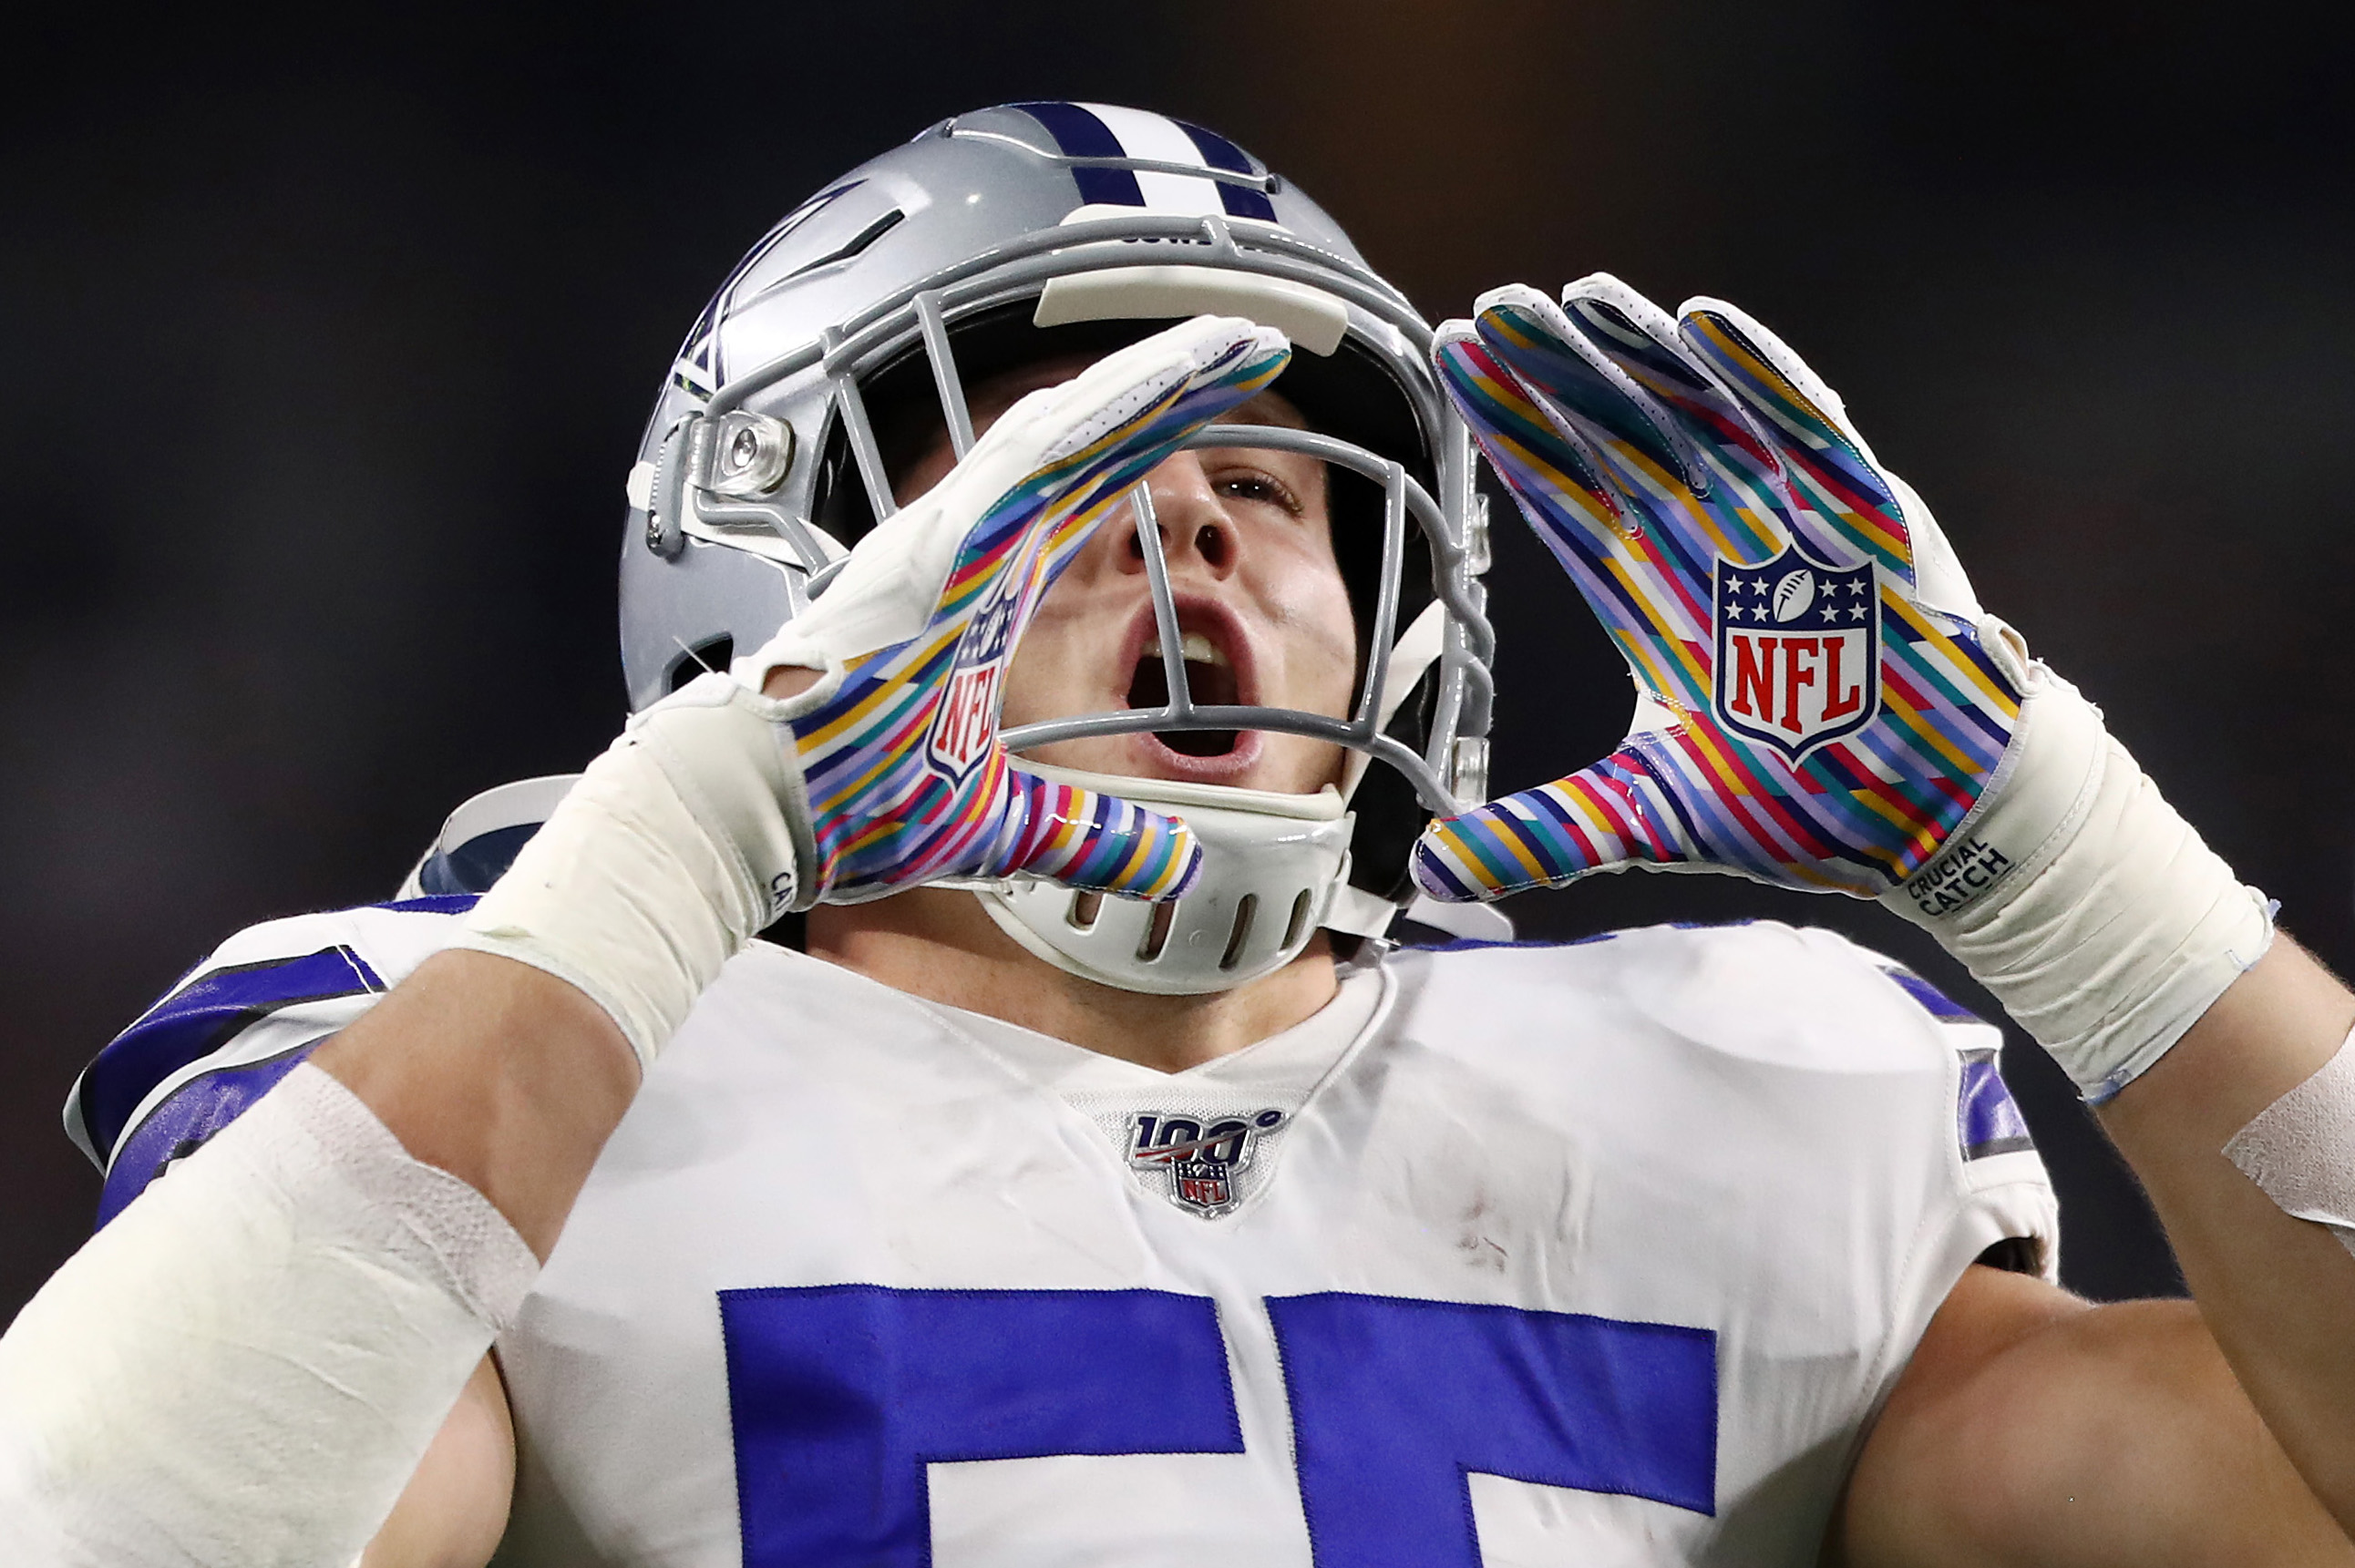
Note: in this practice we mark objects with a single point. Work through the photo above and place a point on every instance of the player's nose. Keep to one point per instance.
(1198, 535)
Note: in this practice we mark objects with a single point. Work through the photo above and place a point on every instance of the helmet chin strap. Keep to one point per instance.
(1271, 867)
(1416, 651)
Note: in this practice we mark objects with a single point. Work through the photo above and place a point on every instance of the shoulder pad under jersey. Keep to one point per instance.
(1744, 983)
(1987, 1120)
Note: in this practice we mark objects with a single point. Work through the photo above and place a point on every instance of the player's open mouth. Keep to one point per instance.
(1207, 645)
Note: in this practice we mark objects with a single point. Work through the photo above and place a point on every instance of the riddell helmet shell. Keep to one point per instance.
(843, 344)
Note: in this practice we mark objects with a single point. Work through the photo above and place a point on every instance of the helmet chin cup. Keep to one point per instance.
(1271, 868)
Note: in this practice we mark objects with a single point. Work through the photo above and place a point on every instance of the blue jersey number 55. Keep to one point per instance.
(841, 1395)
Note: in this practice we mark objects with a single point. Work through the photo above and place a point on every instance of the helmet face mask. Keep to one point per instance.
(846, 342)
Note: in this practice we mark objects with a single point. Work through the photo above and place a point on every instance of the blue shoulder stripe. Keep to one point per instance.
(186, 1122)
(1986, 1119)
(448, 903)
(470, 868)
(198, 1019)
(1935, 1002)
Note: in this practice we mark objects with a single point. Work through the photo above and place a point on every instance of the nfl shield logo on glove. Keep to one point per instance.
(1798, 651)
(966, 721)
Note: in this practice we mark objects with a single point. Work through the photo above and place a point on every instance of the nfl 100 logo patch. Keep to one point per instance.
(1203, 1158)
(966, 720)
(1798, 651)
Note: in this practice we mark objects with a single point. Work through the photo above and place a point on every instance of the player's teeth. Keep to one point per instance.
(1196, 649)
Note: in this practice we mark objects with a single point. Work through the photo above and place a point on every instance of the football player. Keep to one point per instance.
(1053, 574)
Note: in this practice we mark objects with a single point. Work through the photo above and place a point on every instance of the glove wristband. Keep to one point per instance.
(2077, 896)
(678, 844)
(2029, 810)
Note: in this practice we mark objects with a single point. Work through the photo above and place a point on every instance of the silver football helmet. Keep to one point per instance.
(843, 344)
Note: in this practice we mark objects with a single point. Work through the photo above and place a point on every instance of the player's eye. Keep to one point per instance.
(1259, 486)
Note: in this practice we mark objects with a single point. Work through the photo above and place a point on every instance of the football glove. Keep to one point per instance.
(1821, 703)
(1820, 699)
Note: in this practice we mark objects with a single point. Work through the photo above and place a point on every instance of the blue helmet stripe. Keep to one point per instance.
(1080, 134)
(1241, 201)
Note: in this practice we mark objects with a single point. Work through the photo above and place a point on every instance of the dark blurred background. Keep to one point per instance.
(326, 345)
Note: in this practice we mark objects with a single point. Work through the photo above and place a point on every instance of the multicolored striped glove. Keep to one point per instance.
(1820, 700)
(905, 780)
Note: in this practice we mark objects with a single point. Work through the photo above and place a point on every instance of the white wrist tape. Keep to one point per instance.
(2300, 1150)
(245, 1367)
(2084, 903)
(677, 846)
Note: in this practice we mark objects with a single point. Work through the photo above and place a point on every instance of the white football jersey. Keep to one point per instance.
(1590, 1255)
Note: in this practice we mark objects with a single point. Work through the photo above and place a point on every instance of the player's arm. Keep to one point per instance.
(210, 1050)
(454, 1509)
(293, 1313)
(2275, 1288)
(1823, 704)
(2033, 1428)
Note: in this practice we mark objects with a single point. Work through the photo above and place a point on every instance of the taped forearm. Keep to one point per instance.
(245, 1367)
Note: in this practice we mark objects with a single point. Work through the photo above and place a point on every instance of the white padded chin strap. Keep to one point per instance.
(1271, 865)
